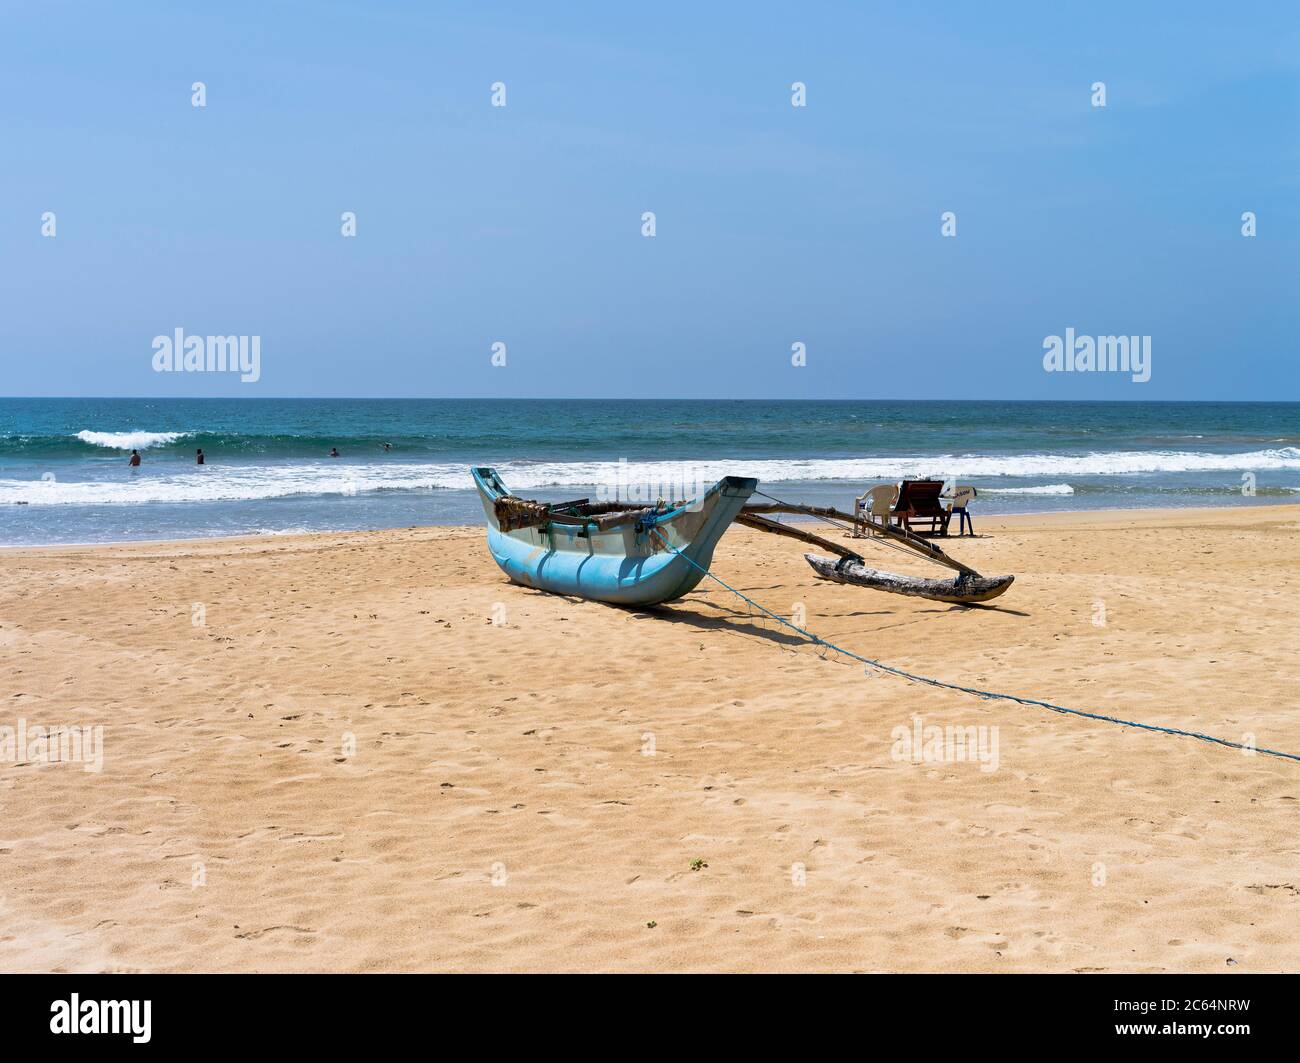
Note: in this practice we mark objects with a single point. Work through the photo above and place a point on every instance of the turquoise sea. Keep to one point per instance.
(64, 476)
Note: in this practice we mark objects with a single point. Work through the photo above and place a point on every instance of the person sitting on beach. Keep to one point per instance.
(198, 457)
(334, 452)
(135, 458)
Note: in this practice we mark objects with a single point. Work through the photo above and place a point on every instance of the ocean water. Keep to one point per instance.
(64, 476)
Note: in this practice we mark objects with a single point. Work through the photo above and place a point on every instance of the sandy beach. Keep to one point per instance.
(369, 752)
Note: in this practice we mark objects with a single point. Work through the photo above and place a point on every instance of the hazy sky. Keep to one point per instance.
(775, 224)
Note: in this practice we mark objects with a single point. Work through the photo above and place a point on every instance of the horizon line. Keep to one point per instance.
(602, 398)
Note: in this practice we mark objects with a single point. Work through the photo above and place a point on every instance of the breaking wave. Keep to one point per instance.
(175, 481)
(1041, 489)
(945, 466)
(129, 440)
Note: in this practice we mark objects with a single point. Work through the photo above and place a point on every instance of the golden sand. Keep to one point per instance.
(369, 752)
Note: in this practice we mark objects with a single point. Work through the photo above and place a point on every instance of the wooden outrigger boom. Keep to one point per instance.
(968, 588)
(900, 535)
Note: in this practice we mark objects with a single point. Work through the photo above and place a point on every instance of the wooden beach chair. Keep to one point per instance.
(918, 502)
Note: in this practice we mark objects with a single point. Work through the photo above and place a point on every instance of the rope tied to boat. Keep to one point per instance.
(987, 695)
(649, 519)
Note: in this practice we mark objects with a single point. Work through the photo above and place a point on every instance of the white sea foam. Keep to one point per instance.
(1041, 489)
(961, 466)
(173, 482)
(229, 483)
(129, 440)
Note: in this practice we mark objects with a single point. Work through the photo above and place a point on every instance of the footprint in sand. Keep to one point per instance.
(253, 935)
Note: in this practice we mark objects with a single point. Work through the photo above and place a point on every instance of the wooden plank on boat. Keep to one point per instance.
(965, 589)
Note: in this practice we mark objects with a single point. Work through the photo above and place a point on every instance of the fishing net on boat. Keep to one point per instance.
(513, 513)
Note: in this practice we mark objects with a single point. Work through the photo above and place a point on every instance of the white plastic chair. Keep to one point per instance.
(877, 503)
(962, 495)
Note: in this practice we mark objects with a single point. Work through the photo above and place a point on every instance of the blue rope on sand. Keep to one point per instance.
(986, 694)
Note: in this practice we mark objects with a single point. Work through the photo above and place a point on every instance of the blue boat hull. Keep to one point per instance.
(625, 564)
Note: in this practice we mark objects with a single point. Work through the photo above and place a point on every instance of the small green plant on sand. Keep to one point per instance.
(696, 865)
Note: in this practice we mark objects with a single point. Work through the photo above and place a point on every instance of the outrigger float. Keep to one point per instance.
(643, 555)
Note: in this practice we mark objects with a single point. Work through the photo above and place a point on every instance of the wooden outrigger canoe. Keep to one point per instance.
(608, 551)
(643, 555)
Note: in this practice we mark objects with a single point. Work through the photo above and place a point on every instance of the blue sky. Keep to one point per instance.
(775, 224)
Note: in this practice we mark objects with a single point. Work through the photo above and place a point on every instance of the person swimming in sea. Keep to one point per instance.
(388, 446)
(135, 459)
(334, 452)
(198, 457)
